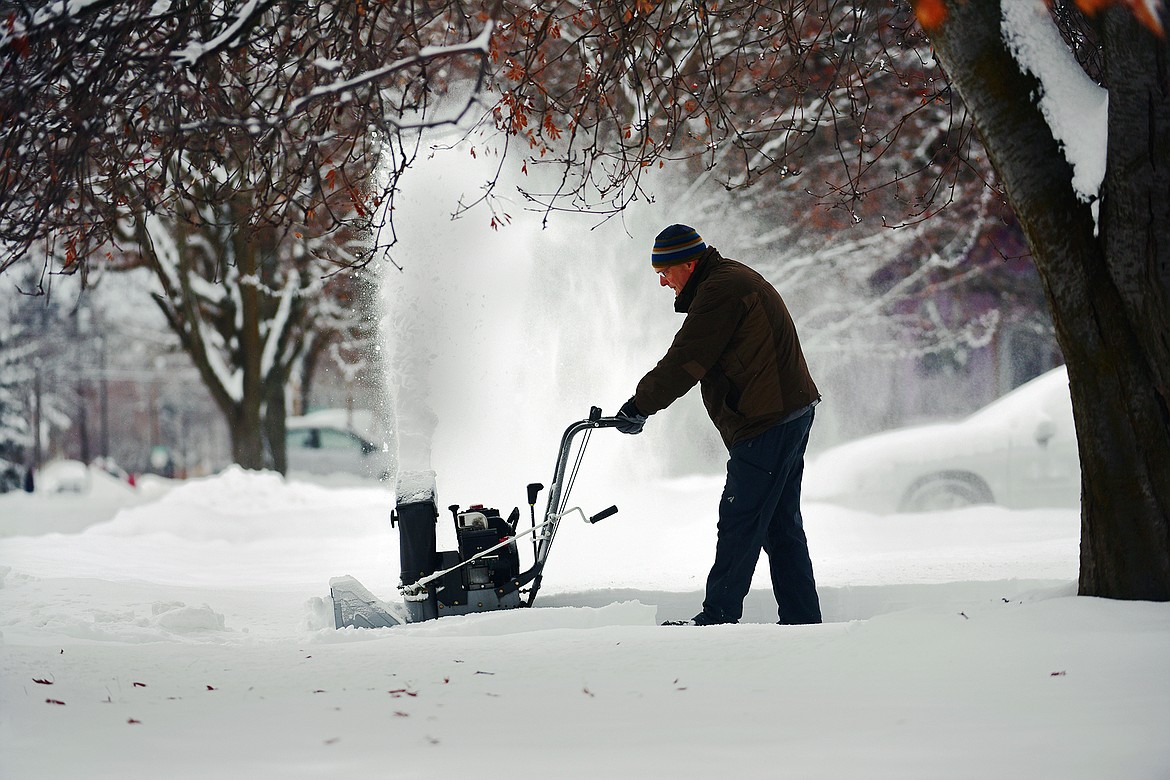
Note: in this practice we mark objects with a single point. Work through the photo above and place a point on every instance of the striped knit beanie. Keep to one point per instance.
(677, 244)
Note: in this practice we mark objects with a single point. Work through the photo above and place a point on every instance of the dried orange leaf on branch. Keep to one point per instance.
(1146, 11)
(932, 13)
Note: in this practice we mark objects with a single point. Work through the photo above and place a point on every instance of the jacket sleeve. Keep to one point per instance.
(710, 323)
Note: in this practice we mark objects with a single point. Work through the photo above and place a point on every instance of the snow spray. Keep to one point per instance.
(496, 339)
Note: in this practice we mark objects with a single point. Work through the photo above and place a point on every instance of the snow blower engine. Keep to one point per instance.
(483, 573)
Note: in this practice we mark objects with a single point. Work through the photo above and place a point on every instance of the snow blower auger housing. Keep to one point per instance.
(484, 572)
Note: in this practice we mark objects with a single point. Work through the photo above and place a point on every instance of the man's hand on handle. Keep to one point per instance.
(631, 419)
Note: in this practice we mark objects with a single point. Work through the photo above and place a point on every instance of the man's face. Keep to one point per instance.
(675, 276)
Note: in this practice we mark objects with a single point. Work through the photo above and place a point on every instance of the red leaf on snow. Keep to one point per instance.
(1058, 674)
(132, 720)
(139, 685)
(54, 701)
(401, 714)
(210, 688)
(42, 682)
(402, 692)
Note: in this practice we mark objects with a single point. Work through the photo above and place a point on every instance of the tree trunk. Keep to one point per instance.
(275, 414)
(247, 430)
(315, 346)
(1107, 290)
(1125, 548)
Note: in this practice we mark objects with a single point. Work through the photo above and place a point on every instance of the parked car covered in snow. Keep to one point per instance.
(1020, 451)
(64, 476)
(327, 442)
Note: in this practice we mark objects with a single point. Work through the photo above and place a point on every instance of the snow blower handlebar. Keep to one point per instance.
(604, 513)
(558, 493)
(561, 485)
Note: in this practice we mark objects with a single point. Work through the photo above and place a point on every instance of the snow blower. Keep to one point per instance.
(483, 573)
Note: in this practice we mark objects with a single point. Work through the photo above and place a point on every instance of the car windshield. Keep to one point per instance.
(339, 440)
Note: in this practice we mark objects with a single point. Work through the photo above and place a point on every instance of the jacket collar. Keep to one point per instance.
(707, 262)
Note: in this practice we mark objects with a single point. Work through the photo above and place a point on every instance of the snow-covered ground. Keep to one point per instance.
(187, 635)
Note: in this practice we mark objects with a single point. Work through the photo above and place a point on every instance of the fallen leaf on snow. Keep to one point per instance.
(402, 692)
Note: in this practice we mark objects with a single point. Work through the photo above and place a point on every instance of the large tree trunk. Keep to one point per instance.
(1108, 289)
(1127, 553)
(248, 431)
(275, 415)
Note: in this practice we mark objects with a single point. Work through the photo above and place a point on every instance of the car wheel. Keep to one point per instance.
(946, 490)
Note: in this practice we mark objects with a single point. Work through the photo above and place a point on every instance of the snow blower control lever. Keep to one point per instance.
(483, 574)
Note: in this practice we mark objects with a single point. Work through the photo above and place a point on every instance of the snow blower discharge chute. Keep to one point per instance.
(483, 573)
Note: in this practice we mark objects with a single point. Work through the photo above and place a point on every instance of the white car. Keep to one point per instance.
(1019, 451)
(325, 443)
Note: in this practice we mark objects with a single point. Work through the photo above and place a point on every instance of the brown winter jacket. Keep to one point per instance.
(739, 342)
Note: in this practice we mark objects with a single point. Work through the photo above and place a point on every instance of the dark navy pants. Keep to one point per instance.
(760, 509)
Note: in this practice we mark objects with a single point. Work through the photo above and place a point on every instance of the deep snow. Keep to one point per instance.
(187, 637)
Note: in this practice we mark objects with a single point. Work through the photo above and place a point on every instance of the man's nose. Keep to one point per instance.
(662, 281)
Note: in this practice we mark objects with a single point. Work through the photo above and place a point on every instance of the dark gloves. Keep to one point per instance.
(631, 420)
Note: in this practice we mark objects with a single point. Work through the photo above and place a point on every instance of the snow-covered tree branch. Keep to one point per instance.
(99, 100)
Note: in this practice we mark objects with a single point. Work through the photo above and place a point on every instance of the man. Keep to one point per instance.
(739, 343)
